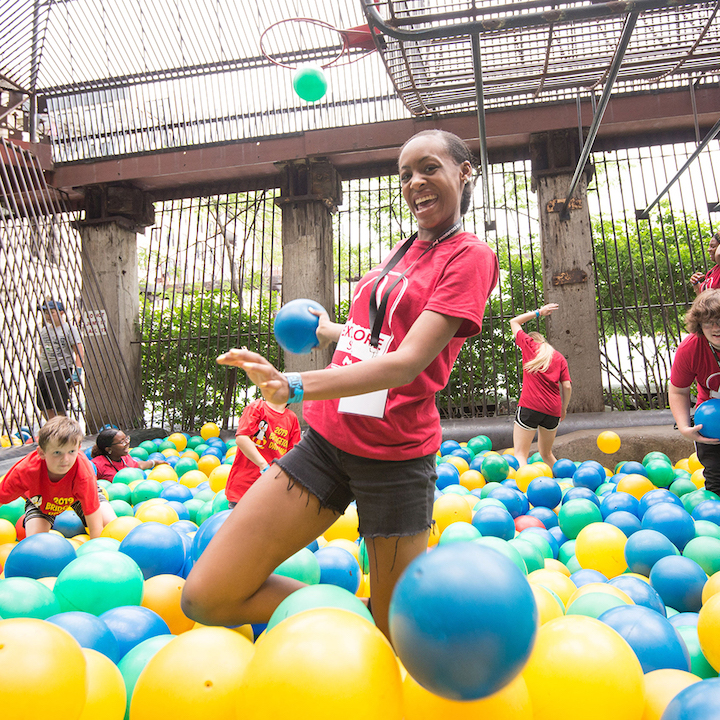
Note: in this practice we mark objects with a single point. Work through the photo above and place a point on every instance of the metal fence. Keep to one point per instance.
(213, 269)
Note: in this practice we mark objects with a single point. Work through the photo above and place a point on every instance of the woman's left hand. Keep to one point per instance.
(270, 380)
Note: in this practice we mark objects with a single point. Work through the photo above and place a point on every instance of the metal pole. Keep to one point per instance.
(484, 165)
(602, 105)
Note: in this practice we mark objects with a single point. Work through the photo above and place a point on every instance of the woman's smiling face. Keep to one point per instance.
(432, 183)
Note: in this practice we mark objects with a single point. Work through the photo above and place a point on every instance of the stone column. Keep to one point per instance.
(311, 190)
(567, 264)
(111, 305)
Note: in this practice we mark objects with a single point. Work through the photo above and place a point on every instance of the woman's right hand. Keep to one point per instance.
(267, 377)
(548, 309)
(327, 330)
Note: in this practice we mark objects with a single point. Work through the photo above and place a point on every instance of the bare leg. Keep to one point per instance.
(546, 438)
(36, 525)
(522, 439)
(232, 582)
(387, 558)
(108, 514)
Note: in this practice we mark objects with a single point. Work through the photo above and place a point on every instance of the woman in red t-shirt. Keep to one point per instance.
(110, 454)
(546, 389)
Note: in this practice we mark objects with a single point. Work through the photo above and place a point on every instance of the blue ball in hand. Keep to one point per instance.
(708, 415)
(296, 327)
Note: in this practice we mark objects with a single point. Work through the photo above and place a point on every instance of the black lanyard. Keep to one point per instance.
(715, 354)
(376, 315)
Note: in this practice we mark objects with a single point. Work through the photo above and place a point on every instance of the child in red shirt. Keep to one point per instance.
(266, 432)
(546, 390)
(54, 478)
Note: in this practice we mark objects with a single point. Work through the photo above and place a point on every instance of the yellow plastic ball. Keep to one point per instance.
(218, 477)
(5, 550)
(7, 532)
(472, 480)
(693, 463)
(178, 440)
(525, 474)
(581, 667)
(601, 546)
(106, 697)
(683, 464)
(708, 629)
(698, 478)
(346, 526)
(635, 485)
(557, 566)
(157, 512)
(192, 478)
(549, 605)
(169, 452)
(510, 703)
(207, 463)
(43, 672)
(120, 527)
(161, 473)
(161, 593)
(460, 463)
(661, 686)
(450, 508)
(608, 442)
(208, 430)
(231, 451)
(196, 675)
(544, 469)
(711, 587)
(325, 664)
(559, 583)
(190, 454)
(435, 533)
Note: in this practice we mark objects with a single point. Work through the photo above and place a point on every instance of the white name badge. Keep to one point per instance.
(370, 404)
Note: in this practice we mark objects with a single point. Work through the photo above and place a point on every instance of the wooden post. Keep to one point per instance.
(567, 265)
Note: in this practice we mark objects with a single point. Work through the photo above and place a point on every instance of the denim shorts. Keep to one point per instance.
(394, 498)
(532, 419)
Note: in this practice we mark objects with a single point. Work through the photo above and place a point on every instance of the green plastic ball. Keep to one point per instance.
(302, 566)
(310, 83)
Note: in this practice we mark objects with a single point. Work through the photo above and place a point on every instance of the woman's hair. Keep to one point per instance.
(61, 430)
(705, 308)
(460, 153)
(543, 357)
(103, 441)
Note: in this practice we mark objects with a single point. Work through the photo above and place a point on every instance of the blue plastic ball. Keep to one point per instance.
(707, 510)
(707, 414)
(653, 639)
(644, 548)
(339, 567)
(90, 632)
(558, 534)
(182, 512)
(684, 619)
(657, 496)
(587, 576)
(447, 474)
(564, 468)
(176, 491)
(632, 467)
(673, 521)
(156, 548)
(588, 476)
(679, 581)
(640, 592)
(447, 446)
(494, 521)
(463, 453)
(69, 524)
(509, 498)
(544, 492)
(132, 624)
(295, 327)
(207, 531)
(463, 620)
(624, 520)
(545, 515)
(699, 701)
(580, 493)
(619, 501)
(39, 556)
(184, 526)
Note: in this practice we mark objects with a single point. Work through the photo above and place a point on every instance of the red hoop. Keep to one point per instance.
(359, 38)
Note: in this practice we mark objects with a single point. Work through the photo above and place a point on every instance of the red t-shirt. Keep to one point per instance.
(540, 391)
(107, 468)
(28, 478)
(695, 360)
(273, 433)
(712, 279)
(455, 278)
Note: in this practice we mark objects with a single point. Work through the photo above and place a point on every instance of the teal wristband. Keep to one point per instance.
(537, 314)
(295, 387)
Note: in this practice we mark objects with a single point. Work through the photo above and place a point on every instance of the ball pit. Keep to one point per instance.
(592, 545)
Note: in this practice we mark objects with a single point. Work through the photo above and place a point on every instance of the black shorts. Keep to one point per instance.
(53, 391)
(394, 498)
(33, 511)
(709, 456)
(532, 419)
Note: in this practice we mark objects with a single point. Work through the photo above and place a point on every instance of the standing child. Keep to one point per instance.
(56, 477)
(546, 389)
(266, 432)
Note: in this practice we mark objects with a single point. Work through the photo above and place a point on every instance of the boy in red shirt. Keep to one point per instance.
(54, 478)
(266, 432)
